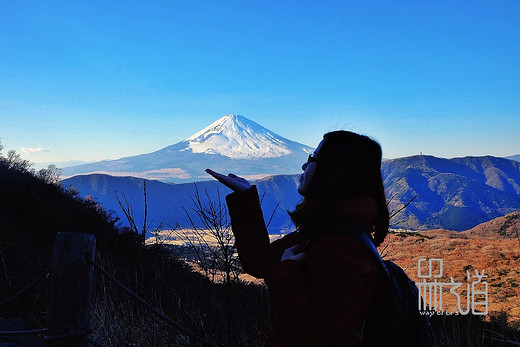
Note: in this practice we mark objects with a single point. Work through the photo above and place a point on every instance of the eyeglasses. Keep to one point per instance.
(311, 158)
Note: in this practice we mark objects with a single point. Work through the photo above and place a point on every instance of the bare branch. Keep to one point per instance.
(272, 214)
(143, 235)
(399, 210)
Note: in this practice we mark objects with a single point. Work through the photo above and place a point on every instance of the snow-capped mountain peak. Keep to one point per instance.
(231, 144)
(237, 137)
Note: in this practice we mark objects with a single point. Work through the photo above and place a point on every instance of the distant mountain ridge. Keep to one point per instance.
(514, 157)
(167, 202)
(454, 194)
(231, 144)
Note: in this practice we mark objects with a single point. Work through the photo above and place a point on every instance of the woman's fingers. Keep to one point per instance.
(218, 176)
(214, 173)
(232, 181)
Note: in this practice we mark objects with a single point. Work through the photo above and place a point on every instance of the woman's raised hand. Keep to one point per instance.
(232, 181)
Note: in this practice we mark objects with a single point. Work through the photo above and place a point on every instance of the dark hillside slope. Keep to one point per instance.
(35, 211)
(32, 212)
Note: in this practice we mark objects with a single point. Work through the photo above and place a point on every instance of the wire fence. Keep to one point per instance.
(23, 332)
(150, 307)
(85, 332)
(26, 288)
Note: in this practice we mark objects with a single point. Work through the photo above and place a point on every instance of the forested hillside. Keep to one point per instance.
(455, 194)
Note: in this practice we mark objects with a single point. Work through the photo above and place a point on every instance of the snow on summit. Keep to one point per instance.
(237, 137)
(231, 144)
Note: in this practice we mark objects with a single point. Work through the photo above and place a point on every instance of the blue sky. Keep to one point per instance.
(106, 79)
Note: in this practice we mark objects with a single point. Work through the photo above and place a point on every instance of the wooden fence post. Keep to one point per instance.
(71, 285)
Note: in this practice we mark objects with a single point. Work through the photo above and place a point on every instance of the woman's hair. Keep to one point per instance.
(348, 165)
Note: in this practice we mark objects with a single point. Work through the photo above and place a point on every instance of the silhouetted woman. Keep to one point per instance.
(321, 282)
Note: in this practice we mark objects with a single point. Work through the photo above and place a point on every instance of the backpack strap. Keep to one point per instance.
(356, 233)
(393, 278)
(359, 235)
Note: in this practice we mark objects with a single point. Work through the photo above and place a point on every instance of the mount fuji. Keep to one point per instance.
(233, 143)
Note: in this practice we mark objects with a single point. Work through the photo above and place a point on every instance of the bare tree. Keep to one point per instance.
(128, 210)
(385, 251)
(211, 239)
(212, 243)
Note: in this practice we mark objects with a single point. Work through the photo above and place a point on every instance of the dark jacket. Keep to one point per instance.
(321, 301)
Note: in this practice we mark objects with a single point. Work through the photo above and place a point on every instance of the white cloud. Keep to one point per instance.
(34, 150)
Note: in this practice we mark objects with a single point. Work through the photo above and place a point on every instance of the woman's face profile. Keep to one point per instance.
(309, 169)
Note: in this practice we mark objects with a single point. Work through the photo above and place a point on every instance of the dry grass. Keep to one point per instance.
(499, 258)
(234, 315)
